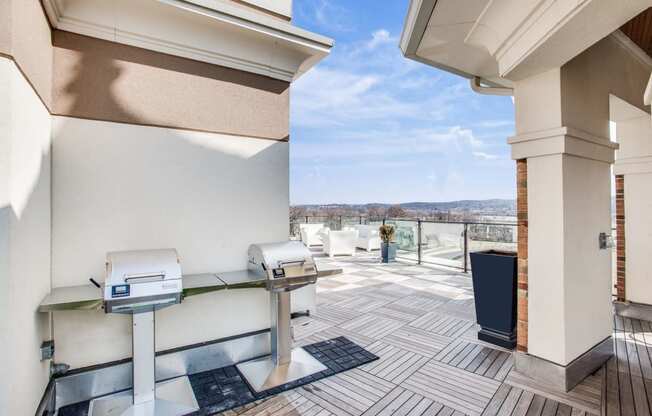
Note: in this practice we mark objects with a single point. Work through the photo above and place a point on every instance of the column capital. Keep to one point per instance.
(562, 140)
(633, 165)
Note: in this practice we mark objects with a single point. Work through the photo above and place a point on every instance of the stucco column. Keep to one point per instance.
(633, 170)
(563, 133)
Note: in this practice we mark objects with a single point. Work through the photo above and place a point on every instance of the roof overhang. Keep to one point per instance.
(434, 34)
(502, 41)
(215, 32)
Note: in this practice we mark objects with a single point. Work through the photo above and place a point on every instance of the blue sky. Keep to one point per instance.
(368, 125)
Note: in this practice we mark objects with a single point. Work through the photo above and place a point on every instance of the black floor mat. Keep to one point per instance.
(224, 388)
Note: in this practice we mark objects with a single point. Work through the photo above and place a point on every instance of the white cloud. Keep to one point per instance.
(326, 14)
(485, 156)
(495, 123)
(370, 81)
(380, 37)
(371, 143)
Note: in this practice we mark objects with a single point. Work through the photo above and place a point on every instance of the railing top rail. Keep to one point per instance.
(510, 224)
(505, 224)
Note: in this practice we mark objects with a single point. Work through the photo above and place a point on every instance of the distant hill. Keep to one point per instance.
(484, 205)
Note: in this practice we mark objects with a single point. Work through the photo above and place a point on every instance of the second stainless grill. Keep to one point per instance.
(286, 266)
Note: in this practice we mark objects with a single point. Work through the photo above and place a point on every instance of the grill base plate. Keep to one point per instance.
(262, 374)
(173, 398)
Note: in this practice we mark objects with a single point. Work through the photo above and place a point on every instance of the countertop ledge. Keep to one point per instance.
(89, 297)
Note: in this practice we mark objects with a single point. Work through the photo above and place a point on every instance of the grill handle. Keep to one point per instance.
(299, 262)
(144, 277)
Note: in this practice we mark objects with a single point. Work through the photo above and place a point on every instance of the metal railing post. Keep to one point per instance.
(360, 219)
(383, 220)
(466, 247)
(307, 219)
(419, 241)
(340, 222)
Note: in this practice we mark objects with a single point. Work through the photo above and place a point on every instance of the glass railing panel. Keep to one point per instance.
(350, 222)
(483, 237)
(406, 238)
(442, 243)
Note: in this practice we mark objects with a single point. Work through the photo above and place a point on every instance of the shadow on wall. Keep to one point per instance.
(103, 80)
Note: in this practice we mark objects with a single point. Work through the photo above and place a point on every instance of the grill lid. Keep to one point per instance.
(287, 265)
(140, 280)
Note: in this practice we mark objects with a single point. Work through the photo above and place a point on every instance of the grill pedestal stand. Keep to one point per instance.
(148, 398)
(285, 364)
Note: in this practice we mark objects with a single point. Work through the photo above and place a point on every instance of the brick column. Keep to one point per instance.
(620, 237)
(522, 289)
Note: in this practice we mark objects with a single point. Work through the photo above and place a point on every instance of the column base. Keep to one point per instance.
(633, 310)
(561, 377)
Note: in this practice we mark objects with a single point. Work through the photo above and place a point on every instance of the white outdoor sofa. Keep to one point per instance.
(368, 237)
(311, 234)
(340, 242)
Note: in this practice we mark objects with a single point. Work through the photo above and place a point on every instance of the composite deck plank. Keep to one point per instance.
(327, 402)
(436, 409)
(451, 351)
(510, 402)
(612, 389)
(536, 407)
(477, 349)
(507, 366)
(475, 364)
(468, 349)
(488, 361)
(455, 388)
(564, 410)
(421, 408)
(643, 349)
(417, 341)
(496, 365)
(626, 395)
(497, 400)
(550, 408)
(523, 404)
(383, 403)
(372, 326)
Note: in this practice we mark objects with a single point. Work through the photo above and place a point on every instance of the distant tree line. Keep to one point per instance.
(299, 213)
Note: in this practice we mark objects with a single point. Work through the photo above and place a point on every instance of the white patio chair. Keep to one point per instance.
(340, 243)
(368, 237)
(311, 234)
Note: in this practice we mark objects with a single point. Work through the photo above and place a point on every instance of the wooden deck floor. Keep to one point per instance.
(420, 322)
(628, 377)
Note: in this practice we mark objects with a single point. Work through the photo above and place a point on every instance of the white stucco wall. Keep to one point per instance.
(546, 314)
(638, 237)
(24, 241)
(634, 161)
(587, 269)
(121, 187)
(569, 277)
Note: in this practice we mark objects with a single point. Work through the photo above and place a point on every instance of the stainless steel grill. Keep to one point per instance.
(139, 283)
(142, 280)
(286, 266)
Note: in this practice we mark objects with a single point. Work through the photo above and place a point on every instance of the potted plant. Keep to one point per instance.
(494, 286)
(388, 246)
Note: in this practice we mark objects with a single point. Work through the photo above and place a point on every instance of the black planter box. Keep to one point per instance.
(388, 252)
(494, 285)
